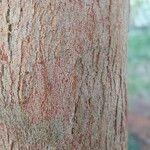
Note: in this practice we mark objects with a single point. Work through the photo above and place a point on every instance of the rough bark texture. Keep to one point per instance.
(62, 74)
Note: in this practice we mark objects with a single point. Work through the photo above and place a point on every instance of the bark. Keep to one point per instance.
(63, 74)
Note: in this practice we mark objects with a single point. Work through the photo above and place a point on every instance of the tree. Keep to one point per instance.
(63, 74)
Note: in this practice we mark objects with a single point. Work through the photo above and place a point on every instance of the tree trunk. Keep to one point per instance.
(63, 74)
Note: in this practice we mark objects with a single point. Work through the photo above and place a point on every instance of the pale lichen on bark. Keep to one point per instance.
(63, 74)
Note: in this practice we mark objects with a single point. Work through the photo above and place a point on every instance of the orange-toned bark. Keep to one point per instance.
(62, 74)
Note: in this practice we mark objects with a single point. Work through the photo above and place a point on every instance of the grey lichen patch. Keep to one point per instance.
(49, 132)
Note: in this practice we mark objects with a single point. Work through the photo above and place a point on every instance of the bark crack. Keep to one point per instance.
(75, 115)
(9, 30)
(3, 88)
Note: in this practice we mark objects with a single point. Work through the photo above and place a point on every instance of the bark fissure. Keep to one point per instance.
(9, 29)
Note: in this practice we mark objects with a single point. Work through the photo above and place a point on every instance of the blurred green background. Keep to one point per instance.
(139, 75)
(138, 63)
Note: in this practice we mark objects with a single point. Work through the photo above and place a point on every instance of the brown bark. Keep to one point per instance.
(63, 74)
